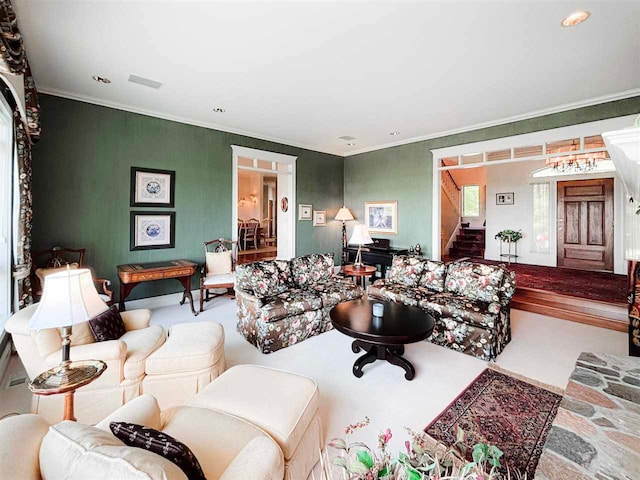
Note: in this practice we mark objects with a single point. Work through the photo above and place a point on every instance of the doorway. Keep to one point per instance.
(585, 224)
(263, 204)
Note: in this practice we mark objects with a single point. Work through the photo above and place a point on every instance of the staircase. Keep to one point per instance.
(468, 243)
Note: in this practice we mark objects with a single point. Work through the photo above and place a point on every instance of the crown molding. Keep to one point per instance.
(516, 118)
(175, 118)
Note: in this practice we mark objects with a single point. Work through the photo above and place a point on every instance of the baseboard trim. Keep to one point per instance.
(161, 301)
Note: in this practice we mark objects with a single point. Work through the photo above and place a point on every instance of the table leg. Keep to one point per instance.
(68, 406)
(125, 290)
(390, 353)
(186, 283)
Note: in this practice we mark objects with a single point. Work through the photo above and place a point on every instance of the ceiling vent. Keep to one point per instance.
(147, 82)
(346, 137)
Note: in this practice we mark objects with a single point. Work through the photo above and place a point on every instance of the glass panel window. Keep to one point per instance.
(449, 161)
(470, 201)
(541, 219)
(499, 155)
(472, 158)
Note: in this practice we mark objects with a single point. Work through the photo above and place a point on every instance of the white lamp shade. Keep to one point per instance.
(69, 297)
(360, 235)
(344, 214)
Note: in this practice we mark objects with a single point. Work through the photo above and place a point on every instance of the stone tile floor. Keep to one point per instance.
(596, 433)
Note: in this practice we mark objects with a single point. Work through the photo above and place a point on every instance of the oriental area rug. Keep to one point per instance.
(499, 409)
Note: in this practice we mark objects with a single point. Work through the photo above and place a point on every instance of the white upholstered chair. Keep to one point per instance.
(218, 273)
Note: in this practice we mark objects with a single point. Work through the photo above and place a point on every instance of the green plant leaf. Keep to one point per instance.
(365, 458)
(460, 435)
(480, 452)
(338, 444)
(414, 474)
(340, 462)
(358, 467)
(383, 473)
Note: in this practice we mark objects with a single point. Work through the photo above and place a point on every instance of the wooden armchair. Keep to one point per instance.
(45, 262)
(219, 270)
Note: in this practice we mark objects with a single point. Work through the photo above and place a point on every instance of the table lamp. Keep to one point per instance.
(69, 297)
(360, 236)
(343, 215)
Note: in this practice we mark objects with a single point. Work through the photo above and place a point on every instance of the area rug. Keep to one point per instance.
(501, 410)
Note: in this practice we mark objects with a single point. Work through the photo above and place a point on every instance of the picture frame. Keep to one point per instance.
(305, 212)
(507, 198)
(151, 187)
(382, 217)
(152, 230)
(319, 218)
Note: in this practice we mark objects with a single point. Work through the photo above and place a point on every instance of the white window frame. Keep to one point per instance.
(7, 160)
(534, 248)
(479, 209)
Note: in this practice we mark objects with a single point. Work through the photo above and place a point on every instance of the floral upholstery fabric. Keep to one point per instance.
(475, 281)
(263, 279)
(387, 290)
(448, 305)
(337, 290)
(311, 269)
(291, 302)
(462, 337)
(508, 288)
(406, 270)
(433, 276)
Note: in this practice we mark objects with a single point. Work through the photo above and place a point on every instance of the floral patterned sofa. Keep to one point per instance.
(470, 302)
(282, 302)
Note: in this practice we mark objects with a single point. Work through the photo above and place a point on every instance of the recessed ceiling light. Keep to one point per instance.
(347, 137)
(393, 134)
(219, 110)
(100, 79)
(350, 144)
(575, 18)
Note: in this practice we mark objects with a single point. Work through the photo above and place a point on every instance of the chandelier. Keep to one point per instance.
(582, 163)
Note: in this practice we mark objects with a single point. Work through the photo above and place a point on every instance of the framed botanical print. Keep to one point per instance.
(151, 230)
(319, 218)
(381, 217)
(152, 188)
(305, 212)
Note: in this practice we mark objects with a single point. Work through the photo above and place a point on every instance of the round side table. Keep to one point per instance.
(67, 379)
(358, 273)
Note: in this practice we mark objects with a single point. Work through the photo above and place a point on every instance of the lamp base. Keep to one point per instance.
(358, 261)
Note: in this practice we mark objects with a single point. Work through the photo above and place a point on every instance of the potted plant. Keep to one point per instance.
(510, 236)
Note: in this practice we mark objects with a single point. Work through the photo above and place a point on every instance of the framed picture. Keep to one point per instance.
(305, 212)
(149, 230)
(505, 198)
(152, 188)
(381, 217)
(319, 218)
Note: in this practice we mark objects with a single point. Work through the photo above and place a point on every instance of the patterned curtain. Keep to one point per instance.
(634, 309)
(22, 260)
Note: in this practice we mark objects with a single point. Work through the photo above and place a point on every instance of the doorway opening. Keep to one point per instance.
(263, 204)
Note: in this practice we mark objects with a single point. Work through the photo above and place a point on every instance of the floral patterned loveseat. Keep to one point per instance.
(470, 302)
(282, 302)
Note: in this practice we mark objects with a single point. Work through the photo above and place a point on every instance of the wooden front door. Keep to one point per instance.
(585, 224)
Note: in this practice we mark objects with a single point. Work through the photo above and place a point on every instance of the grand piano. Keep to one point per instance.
(379, 254)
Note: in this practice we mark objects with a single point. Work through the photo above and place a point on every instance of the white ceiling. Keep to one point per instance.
(305, 73)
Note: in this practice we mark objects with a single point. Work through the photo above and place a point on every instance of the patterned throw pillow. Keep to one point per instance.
(108, 325)
(265, 279)
(433, 276)
(475, 281)
(406, 270)
(160, 443)
(310, 269)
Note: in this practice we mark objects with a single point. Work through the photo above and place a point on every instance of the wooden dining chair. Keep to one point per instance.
(219, 269)
(250, 234)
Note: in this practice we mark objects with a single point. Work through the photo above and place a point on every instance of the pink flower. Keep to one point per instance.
(387, 436)
(292, 339)
(407, 445)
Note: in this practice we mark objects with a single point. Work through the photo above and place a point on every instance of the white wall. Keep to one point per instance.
(516, 177)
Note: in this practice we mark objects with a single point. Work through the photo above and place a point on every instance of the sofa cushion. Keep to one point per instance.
(475, 281)
(336, 290)
(311, 269)
(449, 305)
(433, 276)
(108, 325)
(141, 344)
(161, 444)
(70, 450)
(265, 279)
(292, 302)
(508, 287)
(406, 270)
(393, 292)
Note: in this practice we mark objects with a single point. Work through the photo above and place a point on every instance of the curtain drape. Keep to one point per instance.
(13, 59)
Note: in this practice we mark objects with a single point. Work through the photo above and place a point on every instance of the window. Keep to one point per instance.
(470, 201)
(541, 224)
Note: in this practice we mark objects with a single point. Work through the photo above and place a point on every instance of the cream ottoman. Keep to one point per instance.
(192, 356)
(284, 405)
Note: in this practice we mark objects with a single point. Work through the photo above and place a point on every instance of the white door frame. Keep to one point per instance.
(275, 159)
(534, 138)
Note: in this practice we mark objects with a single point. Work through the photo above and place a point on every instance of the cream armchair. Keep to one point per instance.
(227, 447)
(172, 367)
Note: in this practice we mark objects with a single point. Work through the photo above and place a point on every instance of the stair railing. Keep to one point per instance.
(453, 193)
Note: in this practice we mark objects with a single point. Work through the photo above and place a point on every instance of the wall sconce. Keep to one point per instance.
(253, 198)
(242, 202)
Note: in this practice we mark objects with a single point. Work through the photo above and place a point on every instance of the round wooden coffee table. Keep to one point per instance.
(383, 338)
(359, 272)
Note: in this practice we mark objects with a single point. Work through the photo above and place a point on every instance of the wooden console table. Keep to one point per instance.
(135, 273)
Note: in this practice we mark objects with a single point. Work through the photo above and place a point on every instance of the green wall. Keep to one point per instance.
(404, 173)
(81, 174)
